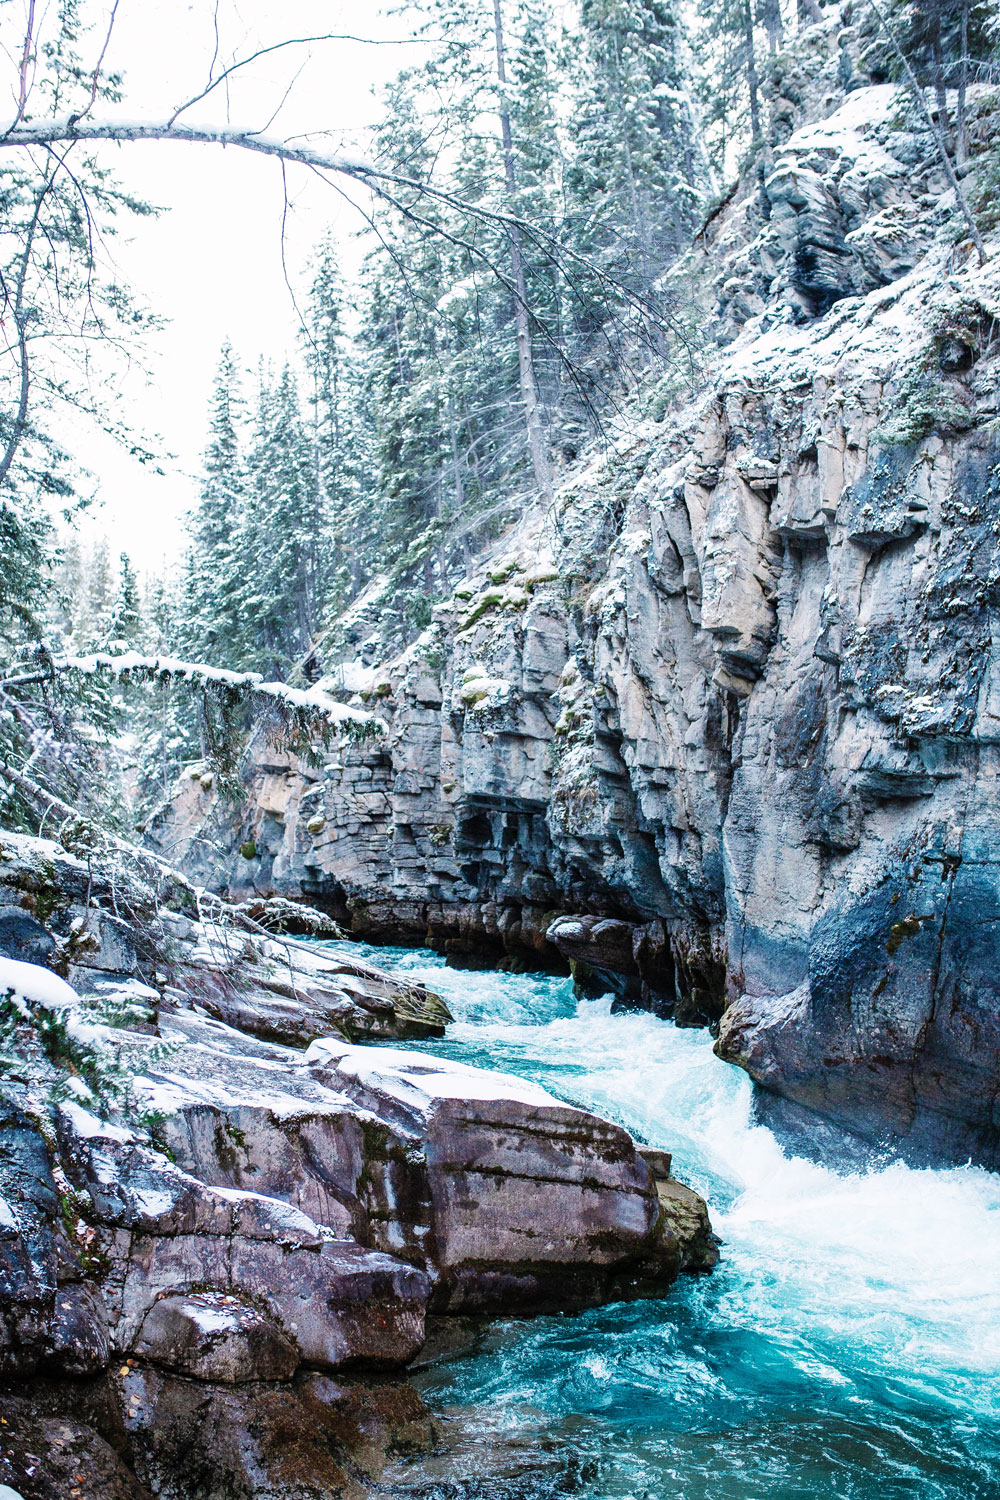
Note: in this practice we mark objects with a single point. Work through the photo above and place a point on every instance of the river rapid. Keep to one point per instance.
(848, 1344)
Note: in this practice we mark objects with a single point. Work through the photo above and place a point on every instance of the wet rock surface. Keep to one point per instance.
(217, 1337)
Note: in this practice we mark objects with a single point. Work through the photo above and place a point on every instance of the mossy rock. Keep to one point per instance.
(483, 604)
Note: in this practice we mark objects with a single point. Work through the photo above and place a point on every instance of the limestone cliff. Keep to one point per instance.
(724, 726)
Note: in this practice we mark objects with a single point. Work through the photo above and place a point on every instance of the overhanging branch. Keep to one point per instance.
(131, 666)
(378, 180)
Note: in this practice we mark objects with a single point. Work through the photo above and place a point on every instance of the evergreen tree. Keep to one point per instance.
(214, 569)
(461, 382)
(69, 579)
(95, 619)
(338, 432)
(166, 718)
(283, 542)
(635, 182)
(125, 625)
(731, 79)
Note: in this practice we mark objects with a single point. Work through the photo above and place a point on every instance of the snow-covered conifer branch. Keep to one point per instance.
(130, 665)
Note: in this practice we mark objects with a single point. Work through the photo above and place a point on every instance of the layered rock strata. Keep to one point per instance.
(219, 1293)
(722, 728)
(95, 920)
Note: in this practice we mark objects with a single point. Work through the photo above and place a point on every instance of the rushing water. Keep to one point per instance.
(848, 1344)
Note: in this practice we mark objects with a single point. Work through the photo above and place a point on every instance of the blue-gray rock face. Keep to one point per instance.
(723, 730)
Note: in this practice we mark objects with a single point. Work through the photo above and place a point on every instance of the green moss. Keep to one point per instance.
(482, 606)
(248, 849)
(909, 927)
(73, 1209)
(48, 897)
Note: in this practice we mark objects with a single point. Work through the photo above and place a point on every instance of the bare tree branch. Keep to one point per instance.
(294, 41)
(22, 316)
(29, 37)
(95, 79)
(377, 179)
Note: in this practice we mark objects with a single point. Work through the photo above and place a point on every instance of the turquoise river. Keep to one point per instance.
(848, 1344)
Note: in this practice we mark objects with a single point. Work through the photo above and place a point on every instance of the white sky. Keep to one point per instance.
(211, 264)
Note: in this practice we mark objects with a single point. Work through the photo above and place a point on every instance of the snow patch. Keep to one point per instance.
(34, 985)
(395, 1070)
(90, 1127)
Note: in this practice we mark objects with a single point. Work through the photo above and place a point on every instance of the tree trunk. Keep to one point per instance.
(771, 16)
(940, 91)
(537, 440)
(936, 132)
(750, 62)
(456, 462)
(961, 122)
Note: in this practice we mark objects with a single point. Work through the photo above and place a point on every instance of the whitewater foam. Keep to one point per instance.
(857, 1312)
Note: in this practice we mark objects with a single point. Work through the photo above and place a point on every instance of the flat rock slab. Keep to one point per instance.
(288, 992)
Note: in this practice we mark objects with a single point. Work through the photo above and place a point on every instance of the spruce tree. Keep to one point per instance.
(635, 181)
(100, 594)
(338, 433)
(214, 575)
(283, 542)
(125, 626)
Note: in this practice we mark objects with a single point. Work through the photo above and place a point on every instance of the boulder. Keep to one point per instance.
(54, 1456)
(163, 1232)
(214, 1336)
(51, 1316)
(531, 1201)
(23, 938)
(502, 1194)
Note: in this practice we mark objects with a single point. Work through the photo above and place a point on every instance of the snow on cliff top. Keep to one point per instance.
(844, 130)
(869, 336)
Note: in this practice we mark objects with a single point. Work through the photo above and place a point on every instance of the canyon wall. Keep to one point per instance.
(722, 727)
